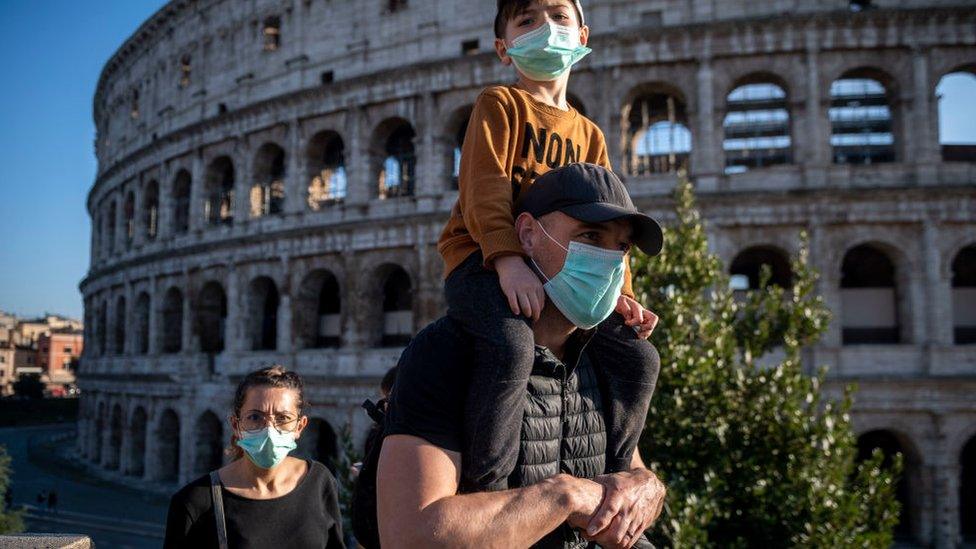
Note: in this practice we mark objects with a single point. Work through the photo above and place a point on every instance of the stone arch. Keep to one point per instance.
(210, 317)
(393, 158)
(172, 324)
(114, 438)
(268, 188)
(136, 462)
(745, 269)
(219, 191)
(873, 296)
(953, 92)
(209, 443)
(892, 442)
(182, 189)
(150, 210)
(967, 491)
(326, 161)
(397, 305)
(320, 442)
(656, 130)
(140, 319)
(757, 123)
(129, 217)
(317, 315)
(964, 296)
(862, 117)
(452, 140)
(120, 326)
(262, 318)
(167, 435)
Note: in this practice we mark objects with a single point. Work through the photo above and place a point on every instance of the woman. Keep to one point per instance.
(267, 498)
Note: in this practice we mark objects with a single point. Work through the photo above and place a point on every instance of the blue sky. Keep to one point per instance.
(55, 51)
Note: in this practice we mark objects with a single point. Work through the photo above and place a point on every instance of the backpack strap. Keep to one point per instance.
(218, 506)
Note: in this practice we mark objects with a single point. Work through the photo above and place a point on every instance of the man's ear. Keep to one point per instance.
(524, 228)
(502, 50)
(584, 34)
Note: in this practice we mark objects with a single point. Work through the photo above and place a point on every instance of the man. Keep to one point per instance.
(574, 224)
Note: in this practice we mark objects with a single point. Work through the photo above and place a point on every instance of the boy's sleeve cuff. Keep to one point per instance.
(498, 243)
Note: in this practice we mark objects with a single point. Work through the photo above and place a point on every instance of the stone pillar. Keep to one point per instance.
(186, 330)
(155, 312)
(243, 177)
(353, 306)
(706, 156)
(233, 340)
(828, 285)
(921, 143)
(813, 151)
(138, 228)
(151, 470)
(164, 215)
(607, 115)
(127, 341)
(430, 289)
(295, 175)
(197, 194)
(124, 443)
(429, 162)
(360, 185)
(284, 343)
(187, 449)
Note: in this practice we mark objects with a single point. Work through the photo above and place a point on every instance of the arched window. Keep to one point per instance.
(211, 317)
(167, 435)
(757, 127)
(263, 314)
(747, 267)
(209, 435)
(268, 190)
(967, 491)
(141, 317)
(110, 221)
(327, 170)
(219, 205)
(181, 202)
(129, 212)
(397, 308)
(861, 121)
(659, 140)
(398, 162)
(136, 466)
(272, 33)
(869, 297)
(964, 296)
(120, 322)
(957, 120)
(150, 210)
(173, 321)
(890, 445)
(318, 309)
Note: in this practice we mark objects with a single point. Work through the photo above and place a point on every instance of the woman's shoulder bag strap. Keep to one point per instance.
(218, 506)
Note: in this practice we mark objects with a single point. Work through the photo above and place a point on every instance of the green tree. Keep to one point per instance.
(753, 455)
(11, 521)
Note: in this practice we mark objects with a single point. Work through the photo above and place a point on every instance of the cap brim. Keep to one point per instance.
(647, 232)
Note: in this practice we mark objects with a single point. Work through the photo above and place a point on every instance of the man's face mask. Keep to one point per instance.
(547, 52)
(586, 289)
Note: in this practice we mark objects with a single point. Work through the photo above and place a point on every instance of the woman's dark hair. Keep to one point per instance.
(273, 376)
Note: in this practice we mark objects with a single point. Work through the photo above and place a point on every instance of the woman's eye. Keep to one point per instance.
(525, 21)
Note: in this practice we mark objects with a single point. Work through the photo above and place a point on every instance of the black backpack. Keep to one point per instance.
(364, 522)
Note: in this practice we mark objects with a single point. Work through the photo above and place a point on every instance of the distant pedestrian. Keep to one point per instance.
(41, 498)
(52, 501)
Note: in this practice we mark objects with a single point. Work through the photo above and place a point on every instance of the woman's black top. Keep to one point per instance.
(306, 517)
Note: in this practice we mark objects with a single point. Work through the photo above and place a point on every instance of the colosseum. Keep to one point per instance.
(273, 176)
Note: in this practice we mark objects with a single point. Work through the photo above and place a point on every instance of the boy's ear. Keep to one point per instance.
(502, 50)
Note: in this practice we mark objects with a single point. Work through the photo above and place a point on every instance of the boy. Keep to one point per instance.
(515, 134)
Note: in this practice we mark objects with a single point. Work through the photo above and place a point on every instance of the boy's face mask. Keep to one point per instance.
(586, 289)
(547, 52)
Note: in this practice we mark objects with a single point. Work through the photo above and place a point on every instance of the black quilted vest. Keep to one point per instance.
(562, 431)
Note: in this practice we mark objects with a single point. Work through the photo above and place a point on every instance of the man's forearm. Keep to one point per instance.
(511, 518)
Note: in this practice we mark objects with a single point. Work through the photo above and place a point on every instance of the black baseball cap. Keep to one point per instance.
(590, 193)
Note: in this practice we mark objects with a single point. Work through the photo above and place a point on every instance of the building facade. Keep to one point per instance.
(57, 355)
(273, 177)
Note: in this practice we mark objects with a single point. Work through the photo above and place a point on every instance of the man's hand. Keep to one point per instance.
(636, 315)
(631, 503)
(521, 286)
(583, 497)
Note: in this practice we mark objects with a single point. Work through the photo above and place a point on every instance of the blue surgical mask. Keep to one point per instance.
(267, 447)
(547, 52)
(586, 289)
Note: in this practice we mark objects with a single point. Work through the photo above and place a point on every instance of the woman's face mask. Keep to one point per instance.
(267, 447)
(586, 289)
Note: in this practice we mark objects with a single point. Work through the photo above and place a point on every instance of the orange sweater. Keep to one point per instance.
(512, 138)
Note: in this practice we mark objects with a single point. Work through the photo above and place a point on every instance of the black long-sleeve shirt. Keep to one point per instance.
(306, 517)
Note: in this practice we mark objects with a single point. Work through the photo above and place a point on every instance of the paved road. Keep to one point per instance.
(112, 516)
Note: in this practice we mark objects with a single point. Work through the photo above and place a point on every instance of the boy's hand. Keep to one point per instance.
(521, 286)
(636, 315)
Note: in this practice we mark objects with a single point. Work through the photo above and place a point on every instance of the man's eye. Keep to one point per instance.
(525, 21)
